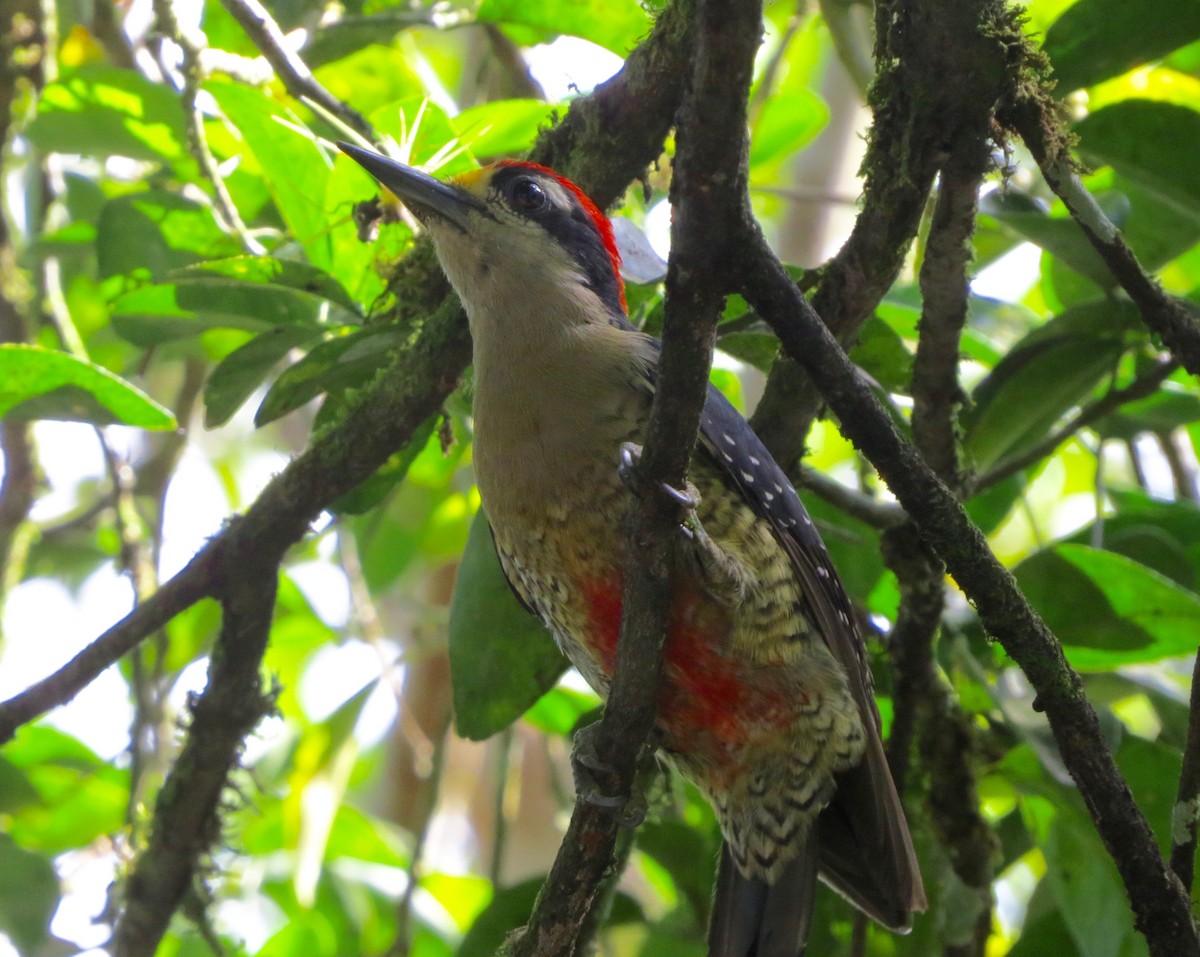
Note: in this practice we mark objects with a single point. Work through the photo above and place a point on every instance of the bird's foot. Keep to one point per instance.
(589, 770)
(688, 499)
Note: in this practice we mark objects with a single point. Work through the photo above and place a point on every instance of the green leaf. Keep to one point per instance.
(687, 856)
(80, 796)
(1158, 230)
(503, 127)
(267, 270)
(757, 349)
(881, 353)
(1045, 933)
(1154, 144)
(1108, 610)
(1060, 236)
(246, 368)
(1045, 375)
(1152, 771)
(614, 24)
(346, 362)
(1097, 39)
(990, 507)
(560, 710)
(38, 383)
(1164, 411)
(378, 73)
(509, 909)
(28, 895)
(1164, 536)
(1089, 890)
(295, 168)
(787, 125)
(103, 111)
(162, 313)
(501, 657)
(156, 232)
(15, 789)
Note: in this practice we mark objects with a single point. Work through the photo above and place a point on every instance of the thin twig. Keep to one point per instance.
(858, 505)
(1036, 119)
(1185, 815)
(297, 79)
(193, 76)
(1144, 385)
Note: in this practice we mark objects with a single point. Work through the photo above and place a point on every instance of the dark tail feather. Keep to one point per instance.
(751, 918)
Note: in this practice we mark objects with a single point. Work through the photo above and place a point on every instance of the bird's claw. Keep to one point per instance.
(630, 810)
(688, 499)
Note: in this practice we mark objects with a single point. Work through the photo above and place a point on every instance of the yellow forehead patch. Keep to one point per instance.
(473, 180)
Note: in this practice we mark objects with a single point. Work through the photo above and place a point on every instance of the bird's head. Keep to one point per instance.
(512, 232)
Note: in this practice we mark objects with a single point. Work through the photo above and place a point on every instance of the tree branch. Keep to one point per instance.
(944, 293)
(426, 372)
(1146, 384)
(186, 824)
(297, 79)
(1036, 118)
(708, 192)
(1162, 911)
(918, 112)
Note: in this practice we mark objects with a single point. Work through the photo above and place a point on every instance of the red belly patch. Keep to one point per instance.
(711, 699)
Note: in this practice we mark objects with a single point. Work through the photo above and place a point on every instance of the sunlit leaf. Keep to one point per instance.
(153, 232)
(270, 271)
(503, 127)
(1049, 372)
(615, 24)
(40, 383)
(296, 169)
(103, 111)
(161, 313)
(1096, 39)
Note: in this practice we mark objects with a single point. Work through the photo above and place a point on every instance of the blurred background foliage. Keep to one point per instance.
(162, 363)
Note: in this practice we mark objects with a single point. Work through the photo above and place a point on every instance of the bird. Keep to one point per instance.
(767, 702)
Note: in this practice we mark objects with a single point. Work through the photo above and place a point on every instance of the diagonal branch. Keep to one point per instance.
(917, 114)
(1146, 384)
(297, 78)
(186, 825)
(1162, 910)
(1035, 118)
(391, 408)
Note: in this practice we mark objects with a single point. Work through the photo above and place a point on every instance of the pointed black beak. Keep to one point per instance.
(419, 191)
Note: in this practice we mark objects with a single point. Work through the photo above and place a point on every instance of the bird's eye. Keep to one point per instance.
(527, 196)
